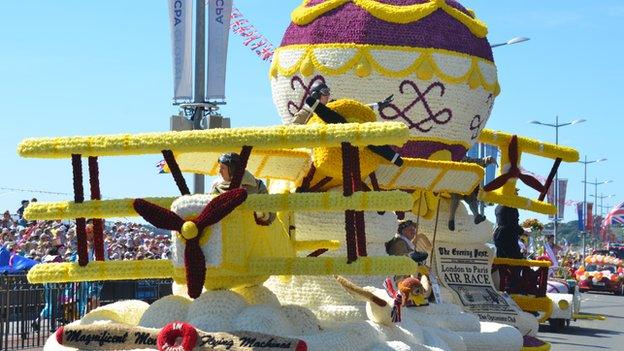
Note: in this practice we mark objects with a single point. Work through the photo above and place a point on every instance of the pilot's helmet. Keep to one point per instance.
(319, 89)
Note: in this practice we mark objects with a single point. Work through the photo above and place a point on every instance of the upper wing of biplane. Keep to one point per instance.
(502, 189)
(218, 140)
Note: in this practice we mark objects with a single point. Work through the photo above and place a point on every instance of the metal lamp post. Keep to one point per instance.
(511, 41)
(602, 197)
(557, 125)
(595, 184)
(585, 163)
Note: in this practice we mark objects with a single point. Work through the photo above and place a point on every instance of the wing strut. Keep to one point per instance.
(175, 172)
(81, 224)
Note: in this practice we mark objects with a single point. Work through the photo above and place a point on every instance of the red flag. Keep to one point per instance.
(589, 221)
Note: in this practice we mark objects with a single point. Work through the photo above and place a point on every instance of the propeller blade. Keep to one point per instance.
(498, 182)
(158, 216)
(532, 182)
(195, 267)
(220, 207)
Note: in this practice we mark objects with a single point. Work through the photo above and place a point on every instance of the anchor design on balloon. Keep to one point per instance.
(426, 124)
(307, 88)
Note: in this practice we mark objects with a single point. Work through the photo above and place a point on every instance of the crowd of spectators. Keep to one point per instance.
(55, 241)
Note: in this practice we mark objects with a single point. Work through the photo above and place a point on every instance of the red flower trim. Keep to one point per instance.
(172, 331)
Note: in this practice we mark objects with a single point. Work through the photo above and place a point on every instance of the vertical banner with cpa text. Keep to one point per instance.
(181, 23)
(219, 12)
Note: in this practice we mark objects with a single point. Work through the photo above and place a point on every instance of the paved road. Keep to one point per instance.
(592, 334)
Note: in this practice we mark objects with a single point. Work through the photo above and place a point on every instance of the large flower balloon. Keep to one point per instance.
(432, 55)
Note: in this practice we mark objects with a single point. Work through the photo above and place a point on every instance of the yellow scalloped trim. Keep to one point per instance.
(528, 145)
(521, 262)
(284, 137)
(364, 63)
(330, 202)
(303, 15)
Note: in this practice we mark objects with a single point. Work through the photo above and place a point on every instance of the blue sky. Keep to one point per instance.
(100, 67)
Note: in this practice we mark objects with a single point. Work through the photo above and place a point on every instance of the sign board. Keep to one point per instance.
(114, 336)
(466, 271)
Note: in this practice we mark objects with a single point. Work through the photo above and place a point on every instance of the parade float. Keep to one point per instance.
(312, 278)
(601, 273)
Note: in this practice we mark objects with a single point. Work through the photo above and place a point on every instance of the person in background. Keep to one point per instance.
(50, 310)
(7, 221)
(229, 164)
(20, 213)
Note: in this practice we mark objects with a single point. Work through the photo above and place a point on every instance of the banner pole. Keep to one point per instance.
(200, 80)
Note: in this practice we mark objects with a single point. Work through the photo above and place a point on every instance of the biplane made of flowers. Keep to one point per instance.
(217, 241)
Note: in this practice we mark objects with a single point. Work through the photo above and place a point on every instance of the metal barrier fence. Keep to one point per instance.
(29, 313)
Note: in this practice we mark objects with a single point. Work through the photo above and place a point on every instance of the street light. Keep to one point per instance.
(585, 163)
(557, 125)
(511, 41)
(595, 184)
(602, 197)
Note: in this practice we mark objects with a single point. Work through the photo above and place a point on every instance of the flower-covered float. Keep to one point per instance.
(601, 273)
(312, 279)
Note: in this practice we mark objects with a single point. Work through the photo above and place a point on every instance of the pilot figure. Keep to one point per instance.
(320, 94)
(228, 164)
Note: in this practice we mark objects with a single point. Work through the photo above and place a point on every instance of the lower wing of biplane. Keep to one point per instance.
(502, 190)
(284, 263)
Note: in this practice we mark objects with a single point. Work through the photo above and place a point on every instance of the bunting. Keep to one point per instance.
(255, 41)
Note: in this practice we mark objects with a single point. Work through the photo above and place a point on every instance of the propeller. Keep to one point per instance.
(191, 231)
(514, 171)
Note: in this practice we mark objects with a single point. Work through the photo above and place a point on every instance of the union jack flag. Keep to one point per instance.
(161, 166)
(615, 216)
